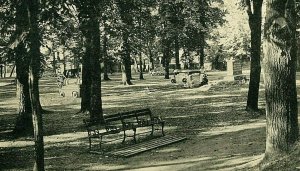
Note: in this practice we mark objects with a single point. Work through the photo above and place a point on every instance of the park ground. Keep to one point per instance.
(220, 134)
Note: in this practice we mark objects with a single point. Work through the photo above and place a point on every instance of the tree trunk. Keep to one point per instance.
(280, 78)
(96, 111)
(91, 70)
(141, 66)
(150, 58)
(126, 60)
(255, 68)
(177, 65)
(65, 60)
(166, 57)
(202, 5)
(86, 76)
(54, 62)
(34, 70)
(201, 50)
(298, 52)
(23, 124)
(105, 59)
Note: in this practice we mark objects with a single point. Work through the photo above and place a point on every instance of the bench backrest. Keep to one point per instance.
(120, 117)
(97, 123)
(112, 117)
(136, 114)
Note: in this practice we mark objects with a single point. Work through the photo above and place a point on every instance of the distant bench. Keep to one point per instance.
(122, 122)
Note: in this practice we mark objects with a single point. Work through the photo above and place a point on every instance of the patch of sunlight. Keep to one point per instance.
(168, 150)
(117, 105)
(122, 97)
(210, 96)
(226, 104)
(182, 116)
(205, 87)
(64, 137)
(177, 164)
(246, 162)
(217, 112)
(246, 89)
(4, 84)
(105, 167)
(174, 107)
(9, 106)
(55, 157)
(7, 112)
(47, 139)
(49, 94)
(9, 102)
(74, 106)
(297, 82)
(233, 128)
(12, 144)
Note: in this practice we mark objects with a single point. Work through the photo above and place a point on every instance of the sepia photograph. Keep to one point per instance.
(149, 85)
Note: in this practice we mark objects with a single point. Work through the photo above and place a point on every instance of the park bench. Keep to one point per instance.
(122, 122)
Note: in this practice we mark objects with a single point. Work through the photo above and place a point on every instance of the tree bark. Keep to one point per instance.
(96, 111)
(23, 125)
(166, 58)
(201, 50)
(34, 70)
(91, 70)
(86, 77)
(54, 62)
(202, 5)
(126, 60)
(279, 63)
(177, 65)
(105, 59)
(141, 66)
(255, 67)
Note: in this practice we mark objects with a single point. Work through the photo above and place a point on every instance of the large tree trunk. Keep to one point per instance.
(280, 78)
(91, 71)
(255, 68)
(23, 124)
(34, 70)
(96, 111)
(86, 79)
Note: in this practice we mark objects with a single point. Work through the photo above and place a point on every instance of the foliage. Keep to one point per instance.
(234, 35)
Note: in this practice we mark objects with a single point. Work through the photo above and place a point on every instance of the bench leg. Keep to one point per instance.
(90, 144)
(152, 131)
(162, 128)
(124, 137)
(100, 144)
(134, 135)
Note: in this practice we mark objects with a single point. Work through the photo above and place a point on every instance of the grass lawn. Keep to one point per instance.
(221, 135)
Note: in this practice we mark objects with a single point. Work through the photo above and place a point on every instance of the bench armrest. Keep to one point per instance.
(111, 127)
(157, 119)
(129, 124)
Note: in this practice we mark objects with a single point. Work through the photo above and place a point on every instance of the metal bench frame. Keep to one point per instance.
(122, 122)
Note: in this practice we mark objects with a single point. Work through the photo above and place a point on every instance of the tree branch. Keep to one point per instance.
(248, 8)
